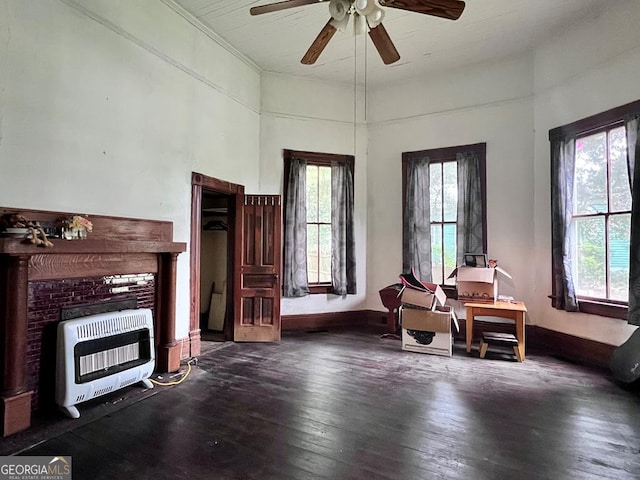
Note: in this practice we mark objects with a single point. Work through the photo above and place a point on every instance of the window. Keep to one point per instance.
(591, 213)
(445, 207)
(318, 224)
(601, 216)
(443, 196)
(319, 250)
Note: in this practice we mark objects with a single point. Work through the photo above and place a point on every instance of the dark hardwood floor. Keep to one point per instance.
(349, 405)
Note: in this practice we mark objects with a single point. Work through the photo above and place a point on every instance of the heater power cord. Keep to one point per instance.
(177, 382)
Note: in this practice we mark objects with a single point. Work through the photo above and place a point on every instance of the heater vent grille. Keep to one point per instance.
(106, 327)
(102, 391)
(102, 353)
(128, 381)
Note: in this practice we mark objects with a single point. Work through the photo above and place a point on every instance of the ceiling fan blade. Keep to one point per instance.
(319, 44)
(449, 9)
(274, 7)
(384, 45)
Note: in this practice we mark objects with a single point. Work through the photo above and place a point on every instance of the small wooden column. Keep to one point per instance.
(168, 349)
(16, 400)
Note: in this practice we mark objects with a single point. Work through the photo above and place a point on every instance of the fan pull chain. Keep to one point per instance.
(355, 91)
(365, 78)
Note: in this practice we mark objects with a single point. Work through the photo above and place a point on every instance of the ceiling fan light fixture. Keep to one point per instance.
(375, 17)
(338, 9)
(341, 24)
(364, 7)
(367, 17)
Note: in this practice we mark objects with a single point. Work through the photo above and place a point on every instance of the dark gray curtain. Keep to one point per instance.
(295, 280)
(470, 234)
(343, 258)
(562, 173)
(633, 155)
(416, 248)
(626, 357)
(632, 124)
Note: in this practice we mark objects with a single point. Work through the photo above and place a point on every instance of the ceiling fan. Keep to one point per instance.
(367, 16)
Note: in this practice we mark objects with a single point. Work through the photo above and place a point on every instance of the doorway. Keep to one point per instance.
(250, 298)
(212, 253)
(215, 269)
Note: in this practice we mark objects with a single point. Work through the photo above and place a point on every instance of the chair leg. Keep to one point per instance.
(483, 349)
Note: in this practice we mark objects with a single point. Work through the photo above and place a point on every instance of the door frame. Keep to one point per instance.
(201, 184)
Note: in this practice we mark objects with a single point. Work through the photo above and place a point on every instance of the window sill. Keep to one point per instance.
(603, 309)
(320, 288)
(597, 307)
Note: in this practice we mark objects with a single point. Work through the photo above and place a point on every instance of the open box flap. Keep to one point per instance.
(477, 274)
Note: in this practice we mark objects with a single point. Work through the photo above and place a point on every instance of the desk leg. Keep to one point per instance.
(469, 328)
(520, 336)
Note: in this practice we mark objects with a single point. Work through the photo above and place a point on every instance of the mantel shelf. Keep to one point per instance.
(18, 246)
(116, 246)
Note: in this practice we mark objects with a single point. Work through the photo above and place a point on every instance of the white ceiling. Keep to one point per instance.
(488, 30)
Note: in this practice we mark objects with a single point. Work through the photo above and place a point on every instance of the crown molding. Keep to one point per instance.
(212, 35)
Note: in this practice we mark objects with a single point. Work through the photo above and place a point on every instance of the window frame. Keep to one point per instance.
(606, 215)
(321, 160)
(580, 128)
(448, 154)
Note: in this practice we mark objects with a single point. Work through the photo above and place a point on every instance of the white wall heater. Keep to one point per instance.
(102, 353)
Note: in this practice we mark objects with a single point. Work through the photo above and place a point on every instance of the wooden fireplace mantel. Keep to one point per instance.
(16, 246)
(119, 246)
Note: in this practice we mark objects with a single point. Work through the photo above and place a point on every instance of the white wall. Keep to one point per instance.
(587, 70)
(511, 106)
(107, 107)
(302, 114)
(491, 104)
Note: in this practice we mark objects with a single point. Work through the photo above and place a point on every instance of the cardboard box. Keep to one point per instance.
(478, 284)
(416, 298)
(426, 331)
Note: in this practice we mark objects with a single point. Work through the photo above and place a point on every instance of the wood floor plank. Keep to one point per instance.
(349, 405)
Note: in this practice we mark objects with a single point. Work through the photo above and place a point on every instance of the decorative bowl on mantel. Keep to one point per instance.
(14, 232)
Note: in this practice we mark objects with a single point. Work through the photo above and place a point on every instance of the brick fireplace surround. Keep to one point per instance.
(122, 258)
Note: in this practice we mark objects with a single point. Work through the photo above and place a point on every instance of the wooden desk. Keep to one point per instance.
(514, 311)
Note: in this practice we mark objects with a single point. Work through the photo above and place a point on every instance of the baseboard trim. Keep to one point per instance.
(194, 343)
(572, 348)
(313, 321)
(569, 347)
(562, 345)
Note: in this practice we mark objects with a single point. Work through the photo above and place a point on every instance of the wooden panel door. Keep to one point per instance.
(257, 293)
